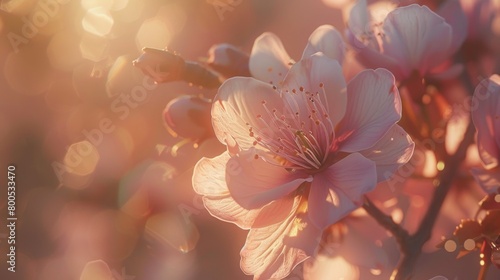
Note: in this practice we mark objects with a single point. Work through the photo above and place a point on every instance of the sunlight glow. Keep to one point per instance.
(153, 33)
(98, 21)
(167, 229)
(469, 244)
(81, 158)
(450, 246)
(326, 268)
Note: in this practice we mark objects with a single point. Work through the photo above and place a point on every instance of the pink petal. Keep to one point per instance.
(209, 176)
(489, 180)
(417, 38)
(359, 22)
(308, 74)
(338, 190)
(209, 180)
(254, 182)
(359, 245)
(373, 107)
(485, 115)
(360, 34)
(373, 59)
(454, 15)
(391, 152)
(326, 39)
(236, 108)
(274, 212)
(269, 61)
(365, 23)
(272, 252)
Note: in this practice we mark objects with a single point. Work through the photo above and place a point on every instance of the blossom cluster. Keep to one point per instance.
(312, 144)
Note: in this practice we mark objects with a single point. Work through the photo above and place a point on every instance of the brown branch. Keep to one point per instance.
(412, 248)
(386, 221)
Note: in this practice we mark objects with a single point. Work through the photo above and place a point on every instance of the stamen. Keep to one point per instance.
(296, 145)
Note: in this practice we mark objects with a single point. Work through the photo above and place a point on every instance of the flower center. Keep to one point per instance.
(301, 133)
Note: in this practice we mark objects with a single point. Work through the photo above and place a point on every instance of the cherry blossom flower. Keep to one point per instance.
(410, 40)
(486, 119)
(300, 155)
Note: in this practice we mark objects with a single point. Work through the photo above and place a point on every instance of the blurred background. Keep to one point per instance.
(103, 189)
(96, 179)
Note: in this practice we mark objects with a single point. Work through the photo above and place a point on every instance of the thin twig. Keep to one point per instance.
(386, 221)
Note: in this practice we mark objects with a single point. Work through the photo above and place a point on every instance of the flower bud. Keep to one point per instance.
(228, 60)
(162, 66)
(189, 117)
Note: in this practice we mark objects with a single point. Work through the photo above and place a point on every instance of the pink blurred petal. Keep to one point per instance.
(362, 244)
(373, 107)
(486, 119)
(360, 25)
(489, 180)
(338, 190)
(454, 15)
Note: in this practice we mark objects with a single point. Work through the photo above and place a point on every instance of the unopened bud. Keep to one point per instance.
(189, 117)
(162, 66)
(228, 60)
